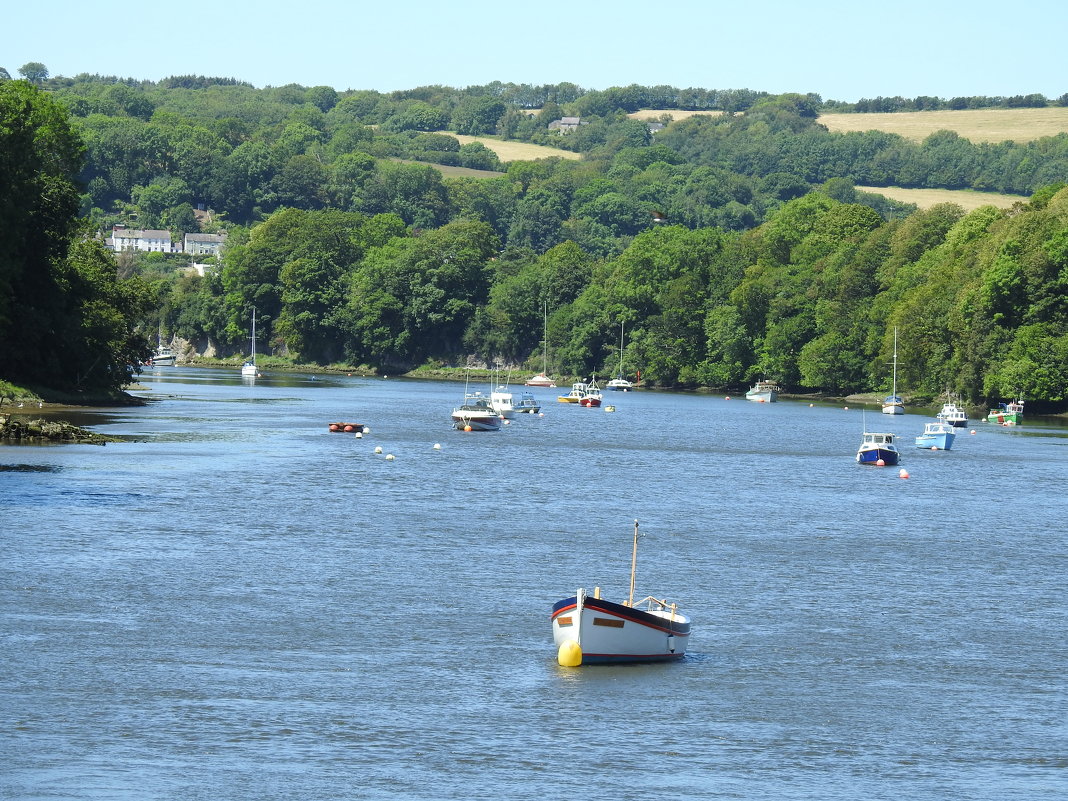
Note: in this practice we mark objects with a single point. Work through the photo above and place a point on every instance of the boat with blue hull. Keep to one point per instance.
(936, 436)
(877, 449)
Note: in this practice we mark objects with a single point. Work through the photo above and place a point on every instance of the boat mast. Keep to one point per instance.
(253, 334)
(633, 565)
(620, 349)
(545, 339)
(895, 363)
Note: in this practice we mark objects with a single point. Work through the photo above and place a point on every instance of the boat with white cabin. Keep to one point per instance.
(937, 436)
(877, 449)
(593, 395)
(164, 355)
(578, 390)
(1007, 414)
(527, 404)
(589, 630)
(475, 414)
(503, 403)
(952, 413)
(763, 392)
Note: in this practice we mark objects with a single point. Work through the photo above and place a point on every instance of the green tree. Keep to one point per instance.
(34, 72)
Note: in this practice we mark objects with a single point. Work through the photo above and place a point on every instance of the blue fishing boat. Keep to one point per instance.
(877, 449)
(936, 436)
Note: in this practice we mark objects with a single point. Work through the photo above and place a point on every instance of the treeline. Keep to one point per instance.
(730, 247)
(157, 152)
(887, 105)
(810, 298)
(66, 321)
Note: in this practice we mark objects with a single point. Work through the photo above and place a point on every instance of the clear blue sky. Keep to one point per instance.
(839, 50)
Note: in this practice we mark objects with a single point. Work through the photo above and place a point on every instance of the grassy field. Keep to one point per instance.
(453, 172)
(925, 198)
(516, 151)
(978, 125)
(654, 113)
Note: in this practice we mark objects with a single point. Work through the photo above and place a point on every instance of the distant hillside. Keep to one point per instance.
(978, 125)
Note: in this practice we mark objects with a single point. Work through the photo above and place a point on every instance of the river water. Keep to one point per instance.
(233, 603)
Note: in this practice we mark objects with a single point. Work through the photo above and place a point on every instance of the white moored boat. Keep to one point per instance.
(475, 414)
(249, 368)
(763, 392)
(589, 630)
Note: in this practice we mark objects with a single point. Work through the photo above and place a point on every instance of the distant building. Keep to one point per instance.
(123, 238)
(566, 124)
(203, 244)
(127, 239)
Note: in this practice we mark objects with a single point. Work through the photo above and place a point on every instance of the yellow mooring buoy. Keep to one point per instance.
(570, 654)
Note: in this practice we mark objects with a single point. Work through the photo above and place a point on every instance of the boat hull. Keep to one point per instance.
(162, 361)
(610, 633)
(477, 422)
(941, 442)
(875, 455)
(540, 380)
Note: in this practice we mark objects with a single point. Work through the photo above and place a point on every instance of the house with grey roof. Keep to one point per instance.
(566, 124)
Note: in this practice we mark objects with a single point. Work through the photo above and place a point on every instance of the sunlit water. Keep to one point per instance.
(234, 603)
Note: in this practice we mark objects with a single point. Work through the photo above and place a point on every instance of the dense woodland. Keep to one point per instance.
(729, 247)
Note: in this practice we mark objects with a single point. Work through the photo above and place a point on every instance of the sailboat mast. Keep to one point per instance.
(545, 339)
(895, 361)
(633, 565)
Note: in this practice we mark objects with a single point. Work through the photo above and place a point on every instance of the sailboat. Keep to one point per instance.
(248, 369)
(164, 356)
(619, 383)
(892, 403)
(542, 379)
(590, 630)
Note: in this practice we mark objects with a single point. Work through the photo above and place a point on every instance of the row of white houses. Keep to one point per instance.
(123, 238)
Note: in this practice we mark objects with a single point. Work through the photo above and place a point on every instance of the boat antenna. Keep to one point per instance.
(633, 565)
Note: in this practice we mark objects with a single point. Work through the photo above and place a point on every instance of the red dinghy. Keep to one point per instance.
(348, 428)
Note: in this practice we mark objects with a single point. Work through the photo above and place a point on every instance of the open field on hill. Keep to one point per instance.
(516, 151)
(925, 198)
(454, 172)
(978, 125)
(654, 113)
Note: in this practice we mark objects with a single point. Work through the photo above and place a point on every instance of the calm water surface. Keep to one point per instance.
(234, 603)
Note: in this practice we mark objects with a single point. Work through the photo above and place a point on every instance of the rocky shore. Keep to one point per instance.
(34, 432)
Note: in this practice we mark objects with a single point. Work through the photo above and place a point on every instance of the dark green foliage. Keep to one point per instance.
(66, 321)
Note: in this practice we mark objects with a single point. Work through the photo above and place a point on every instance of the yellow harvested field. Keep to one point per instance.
(978, 125)
(516, 151)
(655, 113)
(925, 198)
